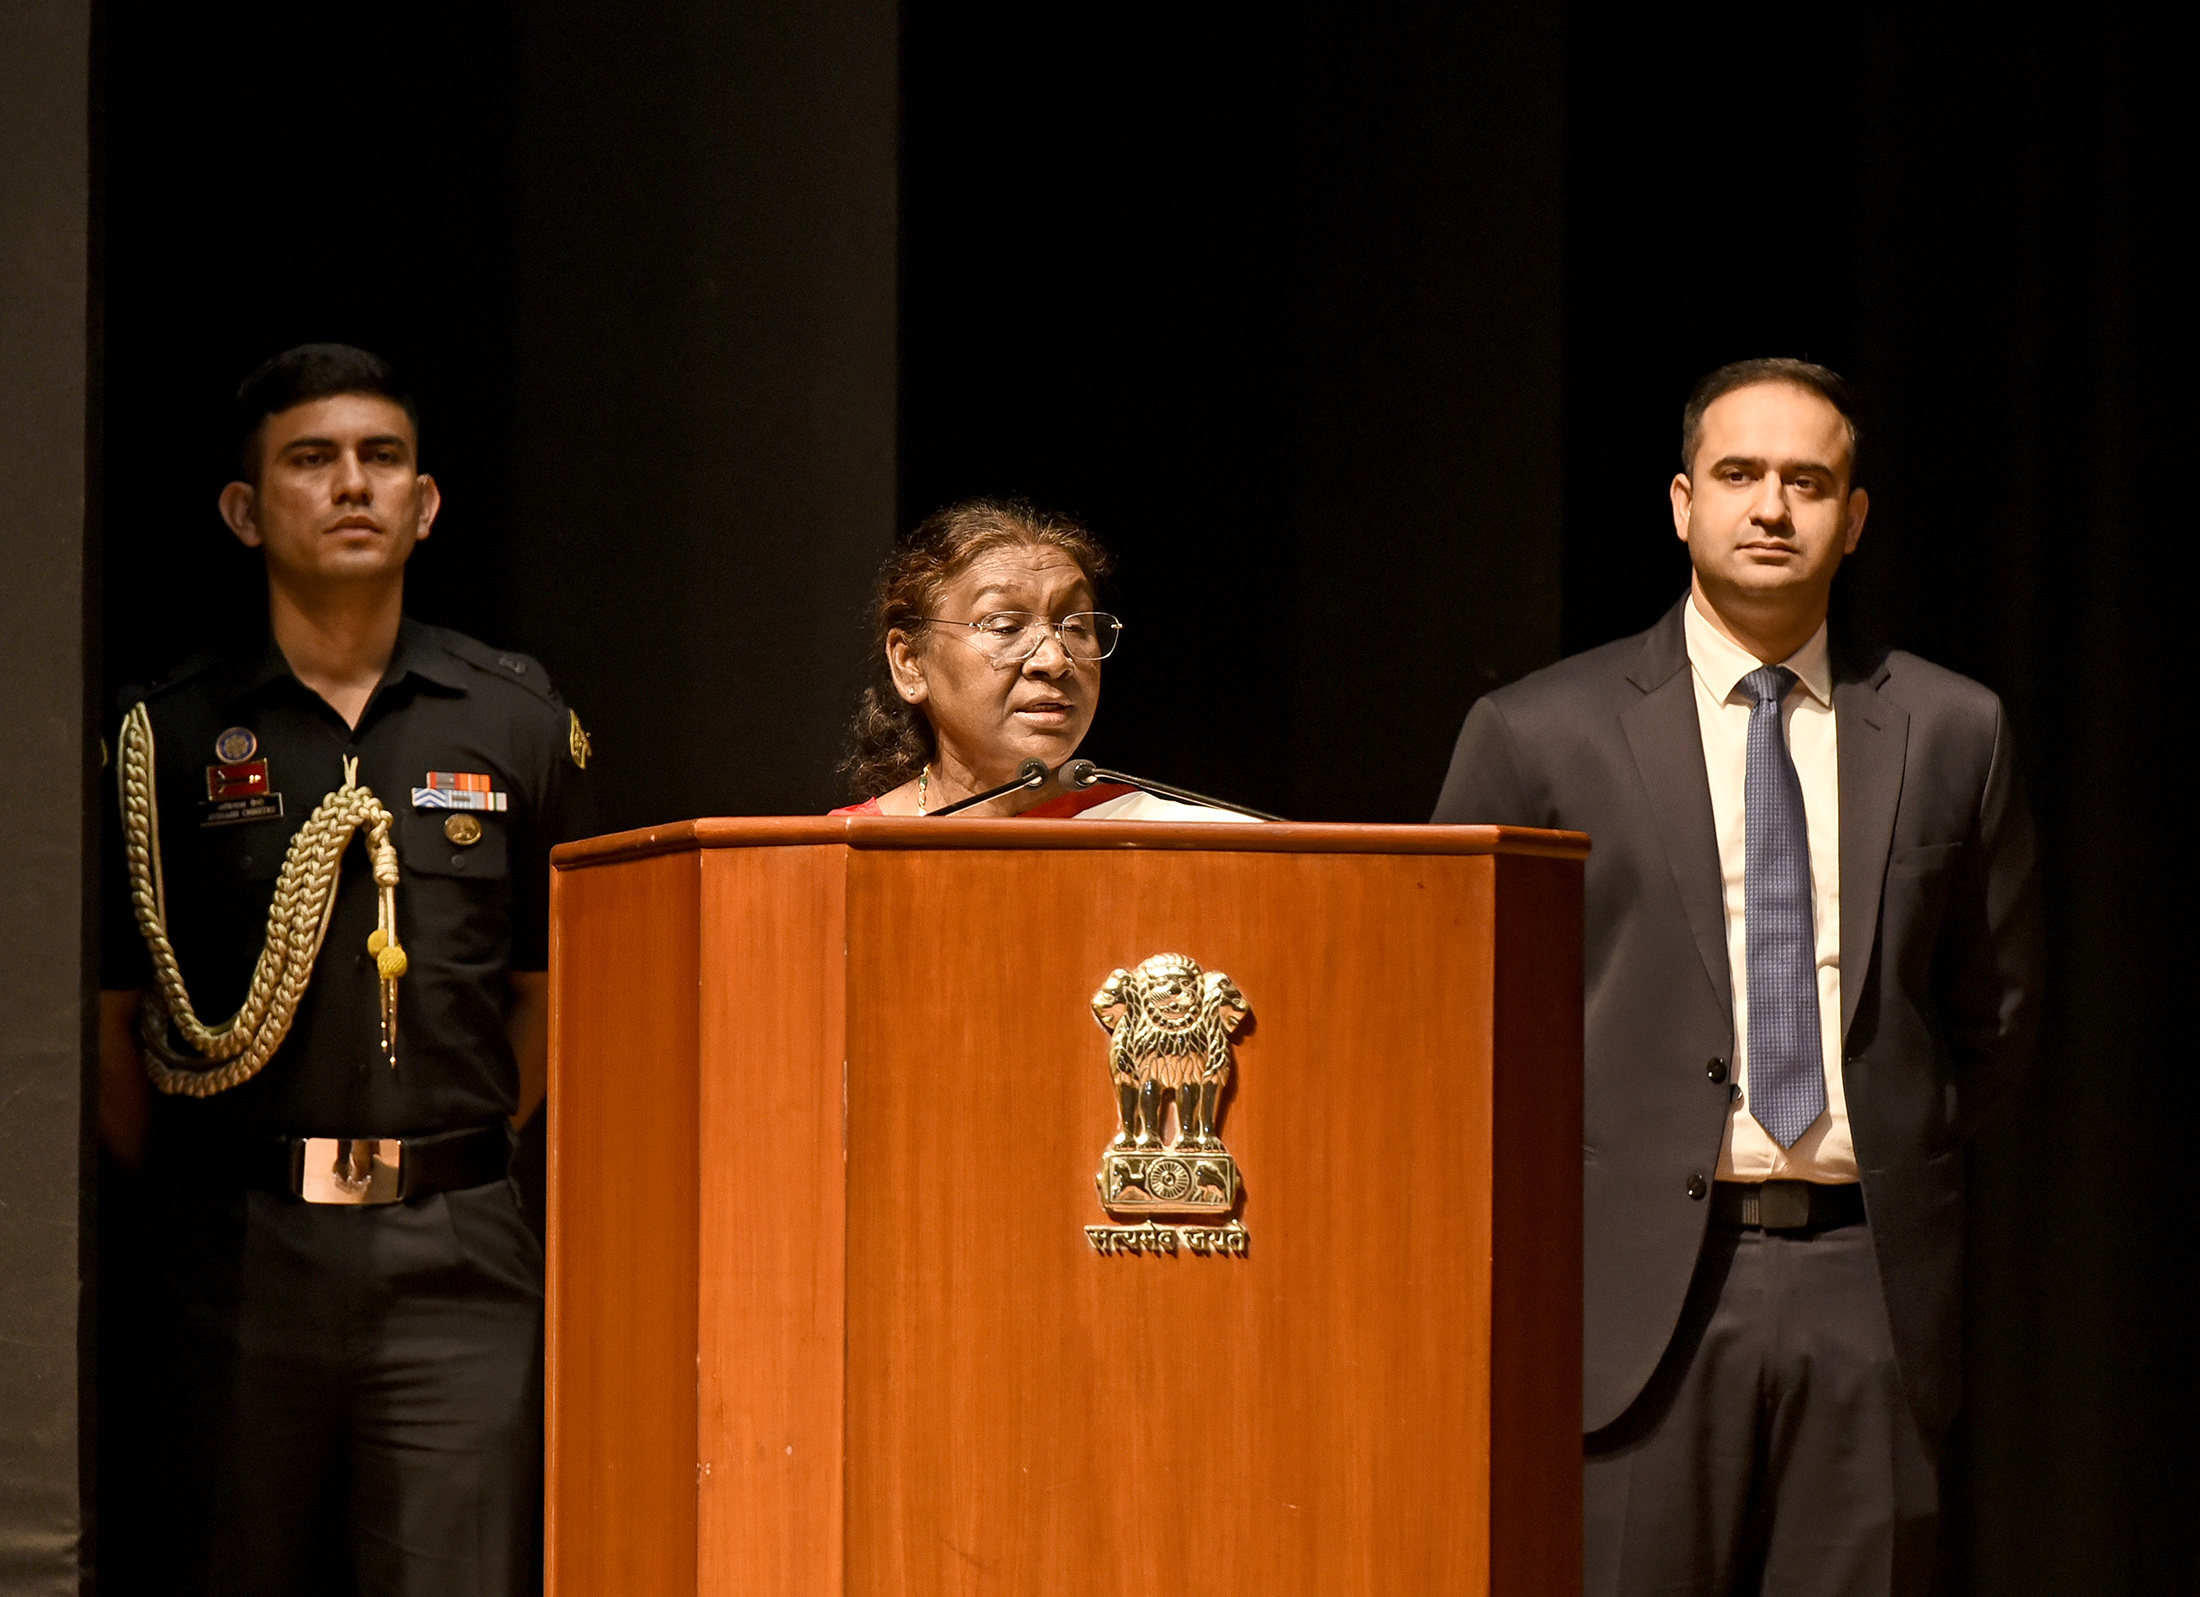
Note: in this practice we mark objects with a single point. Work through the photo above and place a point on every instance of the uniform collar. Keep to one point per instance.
(1722, 663)
(257, 674)
(418, 652)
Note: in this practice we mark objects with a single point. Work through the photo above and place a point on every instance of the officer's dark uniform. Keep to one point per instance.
(353, 1392)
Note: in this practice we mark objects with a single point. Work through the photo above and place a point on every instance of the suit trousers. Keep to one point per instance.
(1774, 1451)
(355, 1402)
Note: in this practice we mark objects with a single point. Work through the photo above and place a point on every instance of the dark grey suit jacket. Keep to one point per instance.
(1940, 970)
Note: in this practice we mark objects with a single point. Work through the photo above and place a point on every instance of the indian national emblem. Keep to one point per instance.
(1169, 1025)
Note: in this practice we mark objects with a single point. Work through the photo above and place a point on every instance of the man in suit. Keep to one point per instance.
(1811, 970)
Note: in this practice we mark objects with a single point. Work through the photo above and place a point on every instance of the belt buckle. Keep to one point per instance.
(351, 1170)
(1784, 1205)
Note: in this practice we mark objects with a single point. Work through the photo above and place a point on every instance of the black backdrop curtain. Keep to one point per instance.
(1362, 338)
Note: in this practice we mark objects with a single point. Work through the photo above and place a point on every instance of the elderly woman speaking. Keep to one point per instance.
(989, 643)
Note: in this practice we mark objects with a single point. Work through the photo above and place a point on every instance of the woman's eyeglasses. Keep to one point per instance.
(1010, 637)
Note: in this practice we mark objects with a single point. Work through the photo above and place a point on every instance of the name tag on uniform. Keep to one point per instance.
(228, 812)
(237, 790)
(458, 790)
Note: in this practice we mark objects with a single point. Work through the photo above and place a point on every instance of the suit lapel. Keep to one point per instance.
(1871, 735)
(1667, 742)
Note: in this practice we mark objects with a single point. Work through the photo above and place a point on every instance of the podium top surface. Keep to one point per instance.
(913, 832)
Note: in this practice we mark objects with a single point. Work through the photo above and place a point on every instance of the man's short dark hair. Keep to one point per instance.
(1826, 383)
(302, 375)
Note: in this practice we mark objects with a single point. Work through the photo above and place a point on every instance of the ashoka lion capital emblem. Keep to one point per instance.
(1169, 1025)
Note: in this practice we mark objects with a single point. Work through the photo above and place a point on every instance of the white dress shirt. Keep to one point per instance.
(1718, 664)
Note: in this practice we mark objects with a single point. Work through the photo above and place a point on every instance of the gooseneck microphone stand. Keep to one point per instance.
(1078, 775)
(1032, 773)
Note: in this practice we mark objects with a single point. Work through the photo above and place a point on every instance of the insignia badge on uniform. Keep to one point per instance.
(236, 745)
(244, 779)
(576, 740)
(238, 790)
(458, 790)
(462, 829)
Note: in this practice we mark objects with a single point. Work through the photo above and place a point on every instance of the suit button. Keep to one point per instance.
(1734, 1093)
(1716, 1070)
(1697, 1186)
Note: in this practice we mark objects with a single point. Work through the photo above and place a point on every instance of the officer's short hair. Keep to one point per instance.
(299, 376)
(1826, 383)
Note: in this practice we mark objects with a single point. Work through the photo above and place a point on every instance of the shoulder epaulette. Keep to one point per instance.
(190, 670)
(508, 665)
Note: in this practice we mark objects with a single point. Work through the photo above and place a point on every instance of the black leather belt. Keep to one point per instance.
(1787, 1205)
(374, 1170)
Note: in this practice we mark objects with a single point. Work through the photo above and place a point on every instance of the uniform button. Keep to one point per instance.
(1697, 1186)
(1716, 1070)
(458, 862)
(245, 863)
(1734, 1093)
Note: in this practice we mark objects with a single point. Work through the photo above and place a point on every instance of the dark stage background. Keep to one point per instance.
(1360, 338)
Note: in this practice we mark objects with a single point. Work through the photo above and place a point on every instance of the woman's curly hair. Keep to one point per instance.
(891, 740)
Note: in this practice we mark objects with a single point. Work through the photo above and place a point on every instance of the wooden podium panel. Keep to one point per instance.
(828, 1099)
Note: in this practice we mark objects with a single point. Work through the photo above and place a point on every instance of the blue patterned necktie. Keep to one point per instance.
(1787, 1068)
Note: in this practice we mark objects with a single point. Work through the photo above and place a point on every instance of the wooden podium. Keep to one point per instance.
(827, 1102)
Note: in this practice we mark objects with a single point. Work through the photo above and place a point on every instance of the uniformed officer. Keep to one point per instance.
(326, 953)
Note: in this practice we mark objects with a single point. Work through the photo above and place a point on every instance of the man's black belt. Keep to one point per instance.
(372, 1170)
(1787, 1205)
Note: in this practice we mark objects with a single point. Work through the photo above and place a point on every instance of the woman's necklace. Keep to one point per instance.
(924, 781)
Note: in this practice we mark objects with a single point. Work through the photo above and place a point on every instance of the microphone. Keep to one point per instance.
(1078, 775)
(1032, 773)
